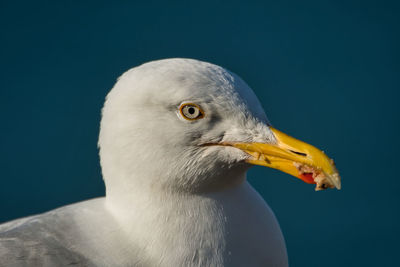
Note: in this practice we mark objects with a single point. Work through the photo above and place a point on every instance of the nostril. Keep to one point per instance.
(298, 153)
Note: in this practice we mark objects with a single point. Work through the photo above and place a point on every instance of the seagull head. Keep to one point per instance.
(190, 126)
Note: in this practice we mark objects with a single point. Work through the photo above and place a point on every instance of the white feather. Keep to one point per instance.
(169, 201)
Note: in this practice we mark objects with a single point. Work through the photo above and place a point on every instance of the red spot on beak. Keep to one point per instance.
(307, 177)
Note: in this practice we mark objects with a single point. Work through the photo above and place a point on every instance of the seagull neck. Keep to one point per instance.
(159, 224)
(129, 204)
(127, 191)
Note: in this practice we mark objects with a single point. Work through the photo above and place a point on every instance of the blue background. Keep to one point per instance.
(326, 72)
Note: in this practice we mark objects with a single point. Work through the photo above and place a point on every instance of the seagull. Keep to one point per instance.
(177, 137)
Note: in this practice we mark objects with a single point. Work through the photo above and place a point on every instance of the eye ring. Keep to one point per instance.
(191, 111)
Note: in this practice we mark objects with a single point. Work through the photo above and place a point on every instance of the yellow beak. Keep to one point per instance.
(294, 157)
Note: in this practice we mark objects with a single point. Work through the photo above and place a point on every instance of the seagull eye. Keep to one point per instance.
(191, 111)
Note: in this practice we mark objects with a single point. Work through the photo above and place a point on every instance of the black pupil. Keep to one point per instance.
(191, 110)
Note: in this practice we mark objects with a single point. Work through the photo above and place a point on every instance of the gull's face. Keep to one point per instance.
(195, 125)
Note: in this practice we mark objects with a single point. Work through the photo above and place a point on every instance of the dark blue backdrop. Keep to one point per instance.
(326, 72)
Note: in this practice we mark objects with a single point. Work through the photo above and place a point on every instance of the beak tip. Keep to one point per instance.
(325, 181)
(335, 179)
